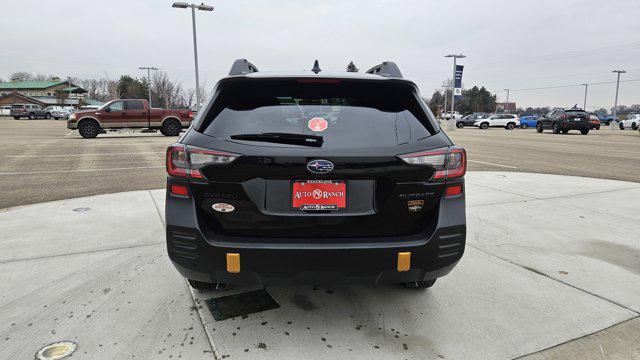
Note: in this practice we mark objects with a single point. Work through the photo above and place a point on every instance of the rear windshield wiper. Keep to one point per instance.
(282, 138)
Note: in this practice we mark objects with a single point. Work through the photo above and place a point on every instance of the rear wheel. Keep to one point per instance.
(556, 128)
(634, 126)
(88, 129)
(564, 131)
(55, 118)
(584, 131)
(47, 116)
(17, 117)
(621, 126)
(598, 127)
(524, 126)
(201, 285)
(460, 125)
(32, 116)
(484, 126)
(539, 128)
(422, 284)
(510, 126)
(171, 127)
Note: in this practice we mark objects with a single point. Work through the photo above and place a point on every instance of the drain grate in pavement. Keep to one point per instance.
(246, 303)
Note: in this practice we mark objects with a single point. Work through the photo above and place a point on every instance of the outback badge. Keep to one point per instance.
(415, 205)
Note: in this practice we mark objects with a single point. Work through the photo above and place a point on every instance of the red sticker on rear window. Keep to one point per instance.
(318, 124)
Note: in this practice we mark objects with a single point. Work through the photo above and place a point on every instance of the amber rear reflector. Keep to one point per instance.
(404, 261)
(233, 262)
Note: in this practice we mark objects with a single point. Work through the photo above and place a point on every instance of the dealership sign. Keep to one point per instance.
(457, 91)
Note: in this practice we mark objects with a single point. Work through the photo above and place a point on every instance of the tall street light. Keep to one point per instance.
(506, 105)
(615, 105)
(149, 68)
(584, 105)
(450, 126)
(203, 7)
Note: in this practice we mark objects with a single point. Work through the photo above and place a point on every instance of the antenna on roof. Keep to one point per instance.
(316, 67)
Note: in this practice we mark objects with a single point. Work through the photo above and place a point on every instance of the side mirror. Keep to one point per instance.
(107, 110)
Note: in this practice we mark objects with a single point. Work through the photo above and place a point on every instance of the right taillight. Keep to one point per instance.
(449, 163)
(187, 161)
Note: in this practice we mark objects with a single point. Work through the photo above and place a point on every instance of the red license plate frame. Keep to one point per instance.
(319, 195)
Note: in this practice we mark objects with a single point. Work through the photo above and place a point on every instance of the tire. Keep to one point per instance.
(510, 126)
(539, 128)
(634, 126)
(32, 116)
(89, 129)
(564, 131)
(55, 118)
(201, 285)
(171, 127)
(524, 126)
(598, 127)
(484, 126)
(556, 128)
(47, 116)
(459, 125)
(422, 284)
(621, 126)
(584, 131)
(17, 117)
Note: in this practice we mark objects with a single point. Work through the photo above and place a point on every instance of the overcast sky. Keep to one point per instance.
(509, 44)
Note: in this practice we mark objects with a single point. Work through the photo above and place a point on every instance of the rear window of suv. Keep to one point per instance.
(346, 113)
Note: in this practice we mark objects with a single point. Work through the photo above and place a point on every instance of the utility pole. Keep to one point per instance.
(584, 105)
(450, 125)
(446, 87)
(615, 105)
(184, 5)
(149, 68)
(506, 105)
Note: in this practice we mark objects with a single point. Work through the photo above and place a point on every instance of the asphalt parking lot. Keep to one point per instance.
(41, 160)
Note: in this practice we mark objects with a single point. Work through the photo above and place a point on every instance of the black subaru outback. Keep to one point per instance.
(314, 178)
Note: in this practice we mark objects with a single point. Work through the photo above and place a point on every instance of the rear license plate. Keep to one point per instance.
(577, 119)
(319, 195)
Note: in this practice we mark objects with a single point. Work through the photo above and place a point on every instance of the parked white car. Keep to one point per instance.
(5, 110)
(447, 115)
(631, 122)
(507, 121)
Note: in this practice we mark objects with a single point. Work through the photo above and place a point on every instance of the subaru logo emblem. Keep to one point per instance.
(319, 166)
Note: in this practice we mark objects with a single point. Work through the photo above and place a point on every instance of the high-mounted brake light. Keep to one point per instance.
(187, 161)
(449, 163)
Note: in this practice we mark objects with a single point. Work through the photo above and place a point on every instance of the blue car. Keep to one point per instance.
(526, 121)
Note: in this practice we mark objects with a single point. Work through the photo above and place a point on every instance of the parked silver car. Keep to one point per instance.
(30, 111)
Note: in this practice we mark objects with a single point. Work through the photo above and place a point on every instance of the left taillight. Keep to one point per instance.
(450, 163)
(187, 161)
(191, 115)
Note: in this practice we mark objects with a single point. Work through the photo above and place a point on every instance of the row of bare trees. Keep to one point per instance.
(165, 91)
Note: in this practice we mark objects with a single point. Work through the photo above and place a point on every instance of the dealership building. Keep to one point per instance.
(43, 93)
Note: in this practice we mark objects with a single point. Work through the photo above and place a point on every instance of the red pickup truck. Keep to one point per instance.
(129, 113)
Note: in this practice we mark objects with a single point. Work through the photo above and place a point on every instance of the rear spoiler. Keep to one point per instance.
(386, 69)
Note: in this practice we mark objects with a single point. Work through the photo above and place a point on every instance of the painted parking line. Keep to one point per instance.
(79, 170)
(492, 164)
(94, 154)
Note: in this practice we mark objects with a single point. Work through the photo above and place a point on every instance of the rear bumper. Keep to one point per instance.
(334, 261)
(572, 125)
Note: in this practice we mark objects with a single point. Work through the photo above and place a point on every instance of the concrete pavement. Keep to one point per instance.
(550, 271)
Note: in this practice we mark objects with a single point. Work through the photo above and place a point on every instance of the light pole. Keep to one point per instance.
(584, 105)
(615, 105)
(203, 7)
(446, 87)
(450, 126)
(149, 68)
(506, 104)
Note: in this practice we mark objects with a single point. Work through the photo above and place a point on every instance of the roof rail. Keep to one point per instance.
(387, 69)
(242, 67)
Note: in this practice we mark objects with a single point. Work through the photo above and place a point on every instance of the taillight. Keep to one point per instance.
(191, 115)
(187, 161)
(564, 117)
(449, 163)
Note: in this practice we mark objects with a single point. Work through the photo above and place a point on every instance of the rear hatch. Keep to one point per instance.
(576, 117)
(317, 159)
(18, 109)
